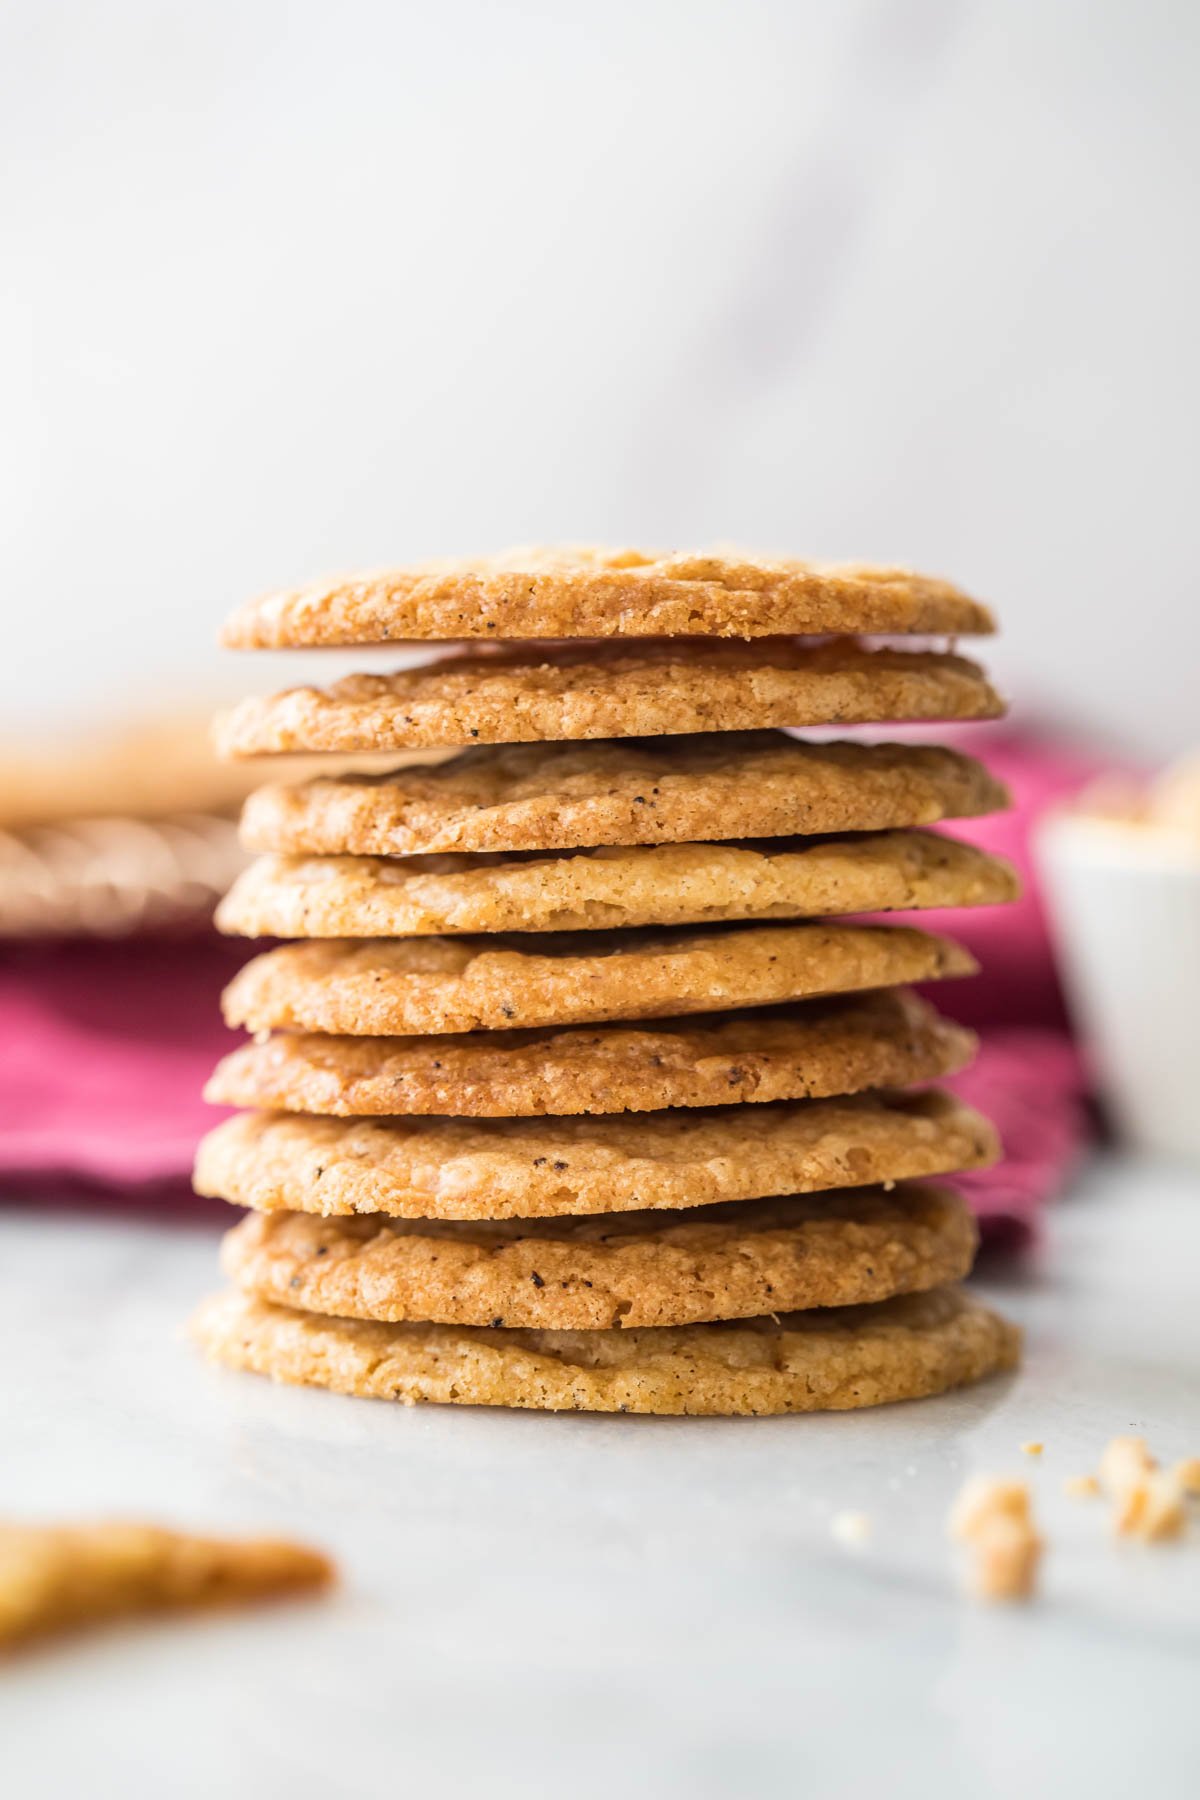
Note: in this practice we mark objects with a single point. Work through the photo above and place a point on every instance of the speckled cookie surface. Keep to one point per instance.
(537, 1168)
(622, 791)
(588, 890)
(508, 695)
(720, 1262)
(808, 1051)
(387, 987)
(584, 591)
(830, 1360)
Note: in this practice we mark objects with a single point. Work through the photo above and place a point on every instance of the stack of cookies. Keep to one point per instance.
(580, 1088)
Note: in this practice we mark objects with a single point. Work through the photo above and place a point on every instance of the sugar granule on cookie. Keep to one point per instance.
(559, 591)
(61, 1576)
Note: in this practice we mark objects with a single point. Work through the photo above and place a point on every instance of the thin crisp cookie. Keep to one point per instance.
(589, 890)
(390, 987)
(512, 695)
(620, 791)
(825, 1361)
(641, 1269)
(57, 1576)
(536, 1168)
(807, 1051)
(584, 591)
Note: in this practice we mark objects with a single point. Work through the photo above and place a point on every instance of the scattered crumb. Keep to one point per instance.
(850, 1528)
(1148, 1502)
(1187, 1474)
(1152, 1509)
(982, 1497)
(1005, 1558)
(993, 1517)
(1126, 1462)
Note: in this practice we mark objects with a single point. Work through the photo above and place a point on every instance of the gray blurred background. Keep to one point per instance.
(290, 288)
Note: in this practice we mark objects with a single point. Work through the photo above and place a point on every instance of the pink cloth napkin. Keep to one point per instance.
(1030, 1083)
(105, 1047)
(104, 1050)
(1029, 1078)
(1018, 983)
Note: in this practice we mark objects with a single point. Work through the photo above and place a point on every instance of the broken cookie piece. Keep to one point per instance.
(55, 1577)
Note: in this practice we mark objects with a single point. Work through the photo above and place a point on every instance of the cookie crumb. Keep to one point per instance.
(984, 1497)
(851, 1528)
(1081, 1487)
(993, 1517)
(1125, 1462)
(1032, 1447)
(1151, 1509)
(1148, 1502)
(1187, 1474)
(1006, 1556)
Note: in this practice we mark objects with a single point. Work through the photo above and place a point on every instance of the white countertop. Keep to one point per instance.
(578, 1606)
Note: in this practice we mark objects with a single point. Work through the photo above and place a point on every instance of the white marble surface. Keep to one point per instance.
(577, 1606)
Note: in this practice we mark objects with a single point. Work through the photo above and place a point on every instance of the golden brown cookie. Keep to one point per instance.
(539, 1168)
(510, 695)
(808, 1051)
(621, 791)
(56, 1576)
(830, 1360)
(392, 987)
(588, 890)
(577, 591)
(718, 1262)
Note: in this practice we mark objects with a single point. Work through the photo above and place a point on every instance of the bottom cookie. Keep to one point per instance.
(828, 1361)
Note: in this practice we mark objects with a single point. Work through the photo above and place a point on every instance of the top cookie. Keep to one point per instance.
(589, 592)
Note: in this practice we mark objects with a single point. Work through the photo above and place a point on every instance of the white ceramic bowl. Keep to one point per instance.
(1124, 905)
